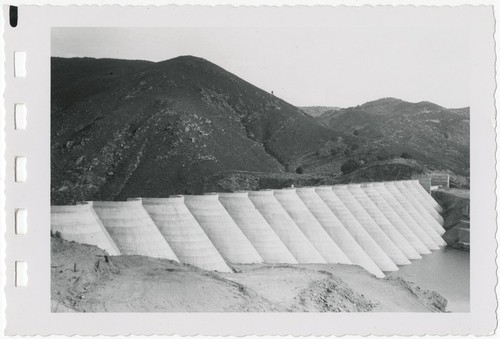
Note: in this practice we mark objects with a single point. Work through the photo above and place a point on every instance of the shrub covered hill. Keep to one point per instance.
(128, 128)
(423, 131)
(316, 111)
(123, 128)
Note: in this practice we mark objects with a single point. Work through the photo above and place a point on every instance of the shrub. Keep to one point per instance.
(331, 148)
(299, 170)
(405, 155)
(58, 235)
(350, 166)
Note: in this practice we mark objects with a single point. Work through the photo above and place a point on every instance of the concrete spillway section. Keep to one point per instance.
(364, 239)
(401, 211)
(286, 229)
(79, 223)
(426, 195)
(370, 225)
(183, 233)
(256, 228)
(418, 206)
(311, 228)
(421, 221)
(226, 236)
(394, 218)
(424, 203)
(385, 225)
(334, 227)
(132, 229)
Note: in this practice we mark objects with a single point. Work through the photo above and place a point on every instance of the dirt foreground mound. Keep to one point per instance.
(85, 279)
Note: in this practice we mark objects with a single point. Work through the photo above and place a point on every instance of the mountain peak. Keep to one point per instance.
(384, 106)
(189, 61)
(186, 58)
(429, 105)
(383, 101)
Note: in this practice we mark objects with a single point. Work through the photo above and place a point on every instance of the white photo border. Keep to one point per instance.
(28, 308)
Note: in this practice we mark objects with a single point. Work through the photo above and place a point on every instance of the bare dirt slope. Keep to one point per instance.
(85, 279)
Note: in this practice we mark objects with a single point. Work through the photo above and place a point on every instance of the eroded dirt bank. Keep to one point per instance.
(85, 279)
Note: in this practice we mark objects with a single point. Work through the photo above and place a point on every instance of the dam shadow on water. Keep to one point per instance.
(446, 271)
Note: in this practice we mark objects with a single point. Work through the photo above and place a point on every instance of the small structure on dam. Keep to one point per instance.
(374, 225)
(132, 229)
(183, 233)
(440, 179)
(285, 227)
(229, 240)
(255, 227)
(311, 228)
(80, 223)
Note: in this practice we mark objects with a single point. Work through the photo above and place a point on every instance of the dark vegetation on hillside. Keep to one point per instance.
(387, 128)
(122, 128)
(134, 128)
(316, 111)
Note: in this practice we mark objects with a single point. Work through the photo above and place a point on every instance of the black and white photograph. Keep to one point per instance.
(259, 170)
(255, 162)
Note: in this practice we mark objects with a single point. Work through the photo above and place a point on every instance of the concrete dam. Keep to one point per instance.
(377, 226)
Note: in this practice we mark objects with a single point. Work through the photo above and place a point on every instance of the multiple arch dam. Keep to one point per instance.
(376, 226)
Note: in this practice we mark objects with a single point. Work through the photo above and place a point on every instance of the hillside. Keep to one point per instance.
(316, 111)
(125, 128)
(134, 128)
(436, 136)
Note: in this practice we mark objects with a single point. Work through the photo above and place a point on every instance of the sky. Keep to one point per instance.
(306, 66)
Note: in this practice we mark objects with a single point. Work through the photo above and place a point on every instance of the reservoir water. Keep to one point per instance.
(446, 271)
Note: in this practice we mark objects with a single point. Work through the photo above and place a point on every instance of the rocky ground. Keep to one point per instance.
(456, 214)
(85, 279)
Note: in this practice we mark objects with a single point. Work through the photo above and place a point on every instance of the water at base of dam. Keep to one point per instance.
(446, 271)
